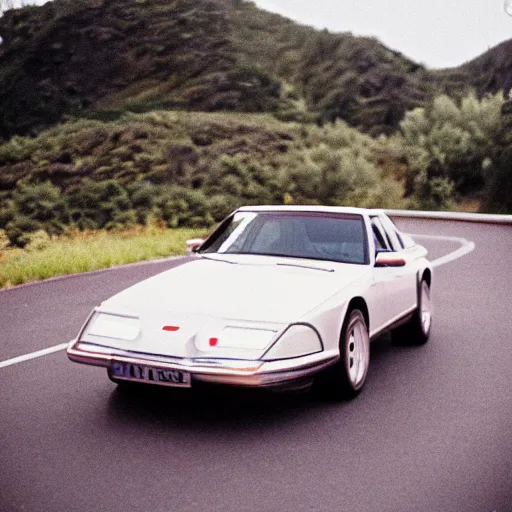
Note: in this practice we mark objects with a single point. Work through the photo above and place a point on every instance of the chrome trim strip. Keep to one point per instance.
(266, 379)
(236, 372)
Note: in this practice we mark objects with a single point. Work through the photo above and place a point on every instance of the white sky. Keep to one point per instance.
(438, 33)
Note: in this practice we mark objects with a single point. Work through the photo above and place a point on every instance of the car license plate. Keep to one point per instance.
(151, 375)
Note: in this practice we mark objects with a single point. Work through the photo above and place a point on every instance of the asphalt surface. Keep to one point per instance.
(432, 430)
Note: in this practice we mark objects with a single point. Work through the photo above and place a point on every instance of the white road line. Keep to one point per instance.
(465, 248)
(33, 355)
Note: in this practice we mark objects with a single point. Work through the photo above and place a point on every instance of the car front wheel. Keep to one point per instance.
(345, 379)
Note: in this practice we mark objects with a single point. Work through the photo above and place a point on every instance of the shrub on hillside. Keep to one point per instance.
(97, 205)
(446, 146)
(337, 167)
(180, 207)
(33, 207)
(19, 229)
(238, 176)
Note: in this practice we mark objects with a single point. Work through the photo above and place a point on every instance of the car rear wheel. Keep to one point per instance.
(345, 379)
(417, 330)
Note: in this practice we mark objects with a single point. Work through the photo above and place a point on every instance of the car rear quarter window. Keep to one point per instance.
(392, 233)
(404, 241)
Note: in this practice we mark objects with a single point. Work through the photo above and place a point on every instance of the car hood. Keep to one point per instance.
(245, 291)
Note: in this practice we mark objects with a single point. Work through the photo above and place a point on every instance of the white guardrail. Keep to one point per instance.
(453, 216)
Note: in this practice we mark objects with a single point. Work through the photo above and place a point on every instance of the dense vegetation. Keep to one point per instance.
(99, 58)
(452, 149)
(191, 169)
(117, 113)
(186, 169)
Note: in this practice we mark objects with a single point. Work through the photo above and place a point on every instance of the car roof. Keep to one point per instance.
(311, 208)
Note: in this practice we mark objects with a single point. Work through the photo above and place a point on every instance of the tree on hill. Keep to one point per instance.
(451, 148)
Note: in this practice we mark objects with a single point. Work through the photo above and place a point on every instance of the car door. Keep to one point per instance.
(402, 287)
(383, 290)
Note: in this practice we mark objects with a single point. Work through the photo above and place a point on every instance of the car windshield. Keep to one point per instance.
(310, 235)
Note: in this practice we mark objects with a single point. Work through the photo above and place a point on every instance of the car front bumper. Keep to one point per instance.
(265, 374)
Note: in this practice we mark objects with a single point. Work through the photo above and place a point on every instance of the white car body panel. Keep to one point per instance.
(202, 297)
(255, 289)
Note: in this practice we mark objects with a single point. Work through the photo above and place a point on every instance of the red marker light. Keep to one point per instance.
(170, 328)
(213, 342)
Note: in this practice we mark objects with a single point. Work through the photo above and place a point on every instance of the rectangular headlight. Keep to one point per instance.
(244, 338)
(114, 326)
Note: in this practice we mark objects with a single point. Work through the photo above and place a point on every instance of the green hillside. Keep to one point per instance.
(489, 73)
(182, 169)
(100, 58)
(334, 76)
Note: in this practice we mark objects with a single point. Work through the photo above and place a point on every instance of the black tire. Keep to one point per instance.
(416, 331)
(345, 379)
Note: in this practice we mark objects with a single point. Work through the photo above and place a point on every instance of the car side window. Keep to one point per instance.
(382, 242)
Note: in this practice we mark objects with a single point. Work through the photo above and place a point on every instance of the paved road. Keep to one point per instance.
(431, 432)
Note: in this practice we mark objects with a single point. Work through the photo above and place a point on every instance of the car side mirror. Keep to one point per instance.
(389, 259)
(194, 244)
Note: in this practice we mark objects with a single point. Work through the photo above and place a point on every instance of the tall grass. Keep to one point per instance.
(83, 252)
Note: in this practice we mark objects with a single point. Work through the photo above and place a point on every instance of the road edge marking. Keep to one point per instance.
(466, 246)
(33, 355)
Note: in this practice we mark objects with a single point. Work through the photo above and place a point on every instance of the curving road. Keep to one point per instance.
(431, 432)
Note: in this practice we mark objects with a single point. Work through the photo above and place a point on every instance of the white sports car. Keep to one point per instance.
(277, 296)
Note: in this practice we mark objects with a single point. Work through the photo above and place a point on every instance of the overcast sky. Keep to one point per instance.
(438, 33)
